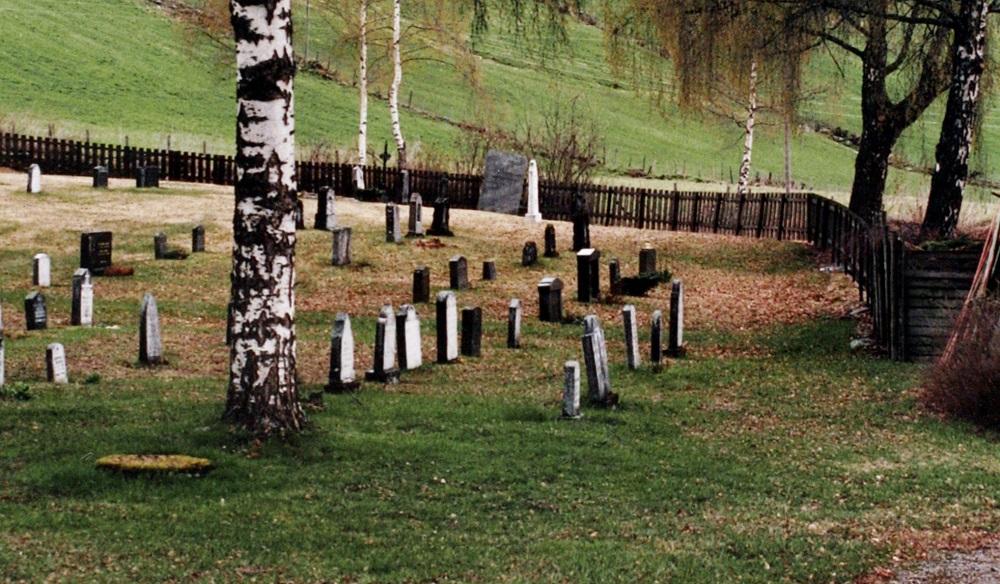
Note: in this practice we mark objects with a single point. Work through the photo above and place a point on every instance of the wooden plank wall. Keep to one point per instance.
(936, 286)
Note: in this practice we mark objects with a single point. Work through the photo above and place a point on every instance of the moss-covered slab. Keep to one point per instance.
(155, 464)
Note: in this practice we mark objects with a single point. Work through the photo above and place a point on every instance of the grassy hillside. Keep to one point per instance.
(125, 68)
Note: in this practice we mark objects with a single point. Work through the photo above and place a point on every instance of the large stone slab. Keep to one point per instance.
(503, 182)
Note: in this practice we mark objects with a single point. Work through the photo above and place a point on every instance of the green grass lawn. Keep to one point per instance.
(772, 453)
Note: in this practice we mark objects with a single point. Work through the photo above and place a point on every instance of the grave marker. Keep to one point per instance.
(341, 255)
(100, 177)
(676, 346)
(35, 314)
(404, 187)
(392, 231)
(534, 214)
(631, 336)
(571, 390)
(615, 277)
(440, 223)
(34, 179)
(153, 177)
(514, 315)
(82, 313)
(550, 242)
(41, 270)
(656, 339)
(595, 353)
(447, 328)
(408, 338)
(647, 260)
(489, 271)
(150, 342)
(503, 182)
(300, 215)
(421, 285)
(588, 275)
(342, 373)
(198, 239)
(581, 221)
(472, 332)
(550, 300)
(55, 364)
(529, 254)
(326, 216)
(95, 251)
(160, 246)
(415, 221)
(458, 272)
(383, 370)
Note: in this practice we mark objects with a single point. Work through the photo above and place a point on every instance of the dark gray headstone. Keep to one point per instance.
(341, 255)
(550, 300)
(152, 177)
(100, 177)
(489, 271)
(615, 277)
(581, 222)
(571, 390)
(198, 239)
(415, 224)
(514, 316)
(342, 374)
(300, 215)
(595, 354)
(95, 251)
(529, 254)
(326, 218)
(631, 321)
(503, 182)
(160, 246)
(36, 316)
(458, 271)
(551, 251)
(440, 224)
(384, 369)
(392, 230)
(472, 331)
(647, 261)
(656, 339)
(421, 285)
(140, 177)
(150, 341)
(588, 275)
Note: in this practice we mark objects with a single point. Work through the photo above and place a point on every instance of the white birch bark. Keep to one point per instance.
(363, 88)
(397, 80)
(743, 187)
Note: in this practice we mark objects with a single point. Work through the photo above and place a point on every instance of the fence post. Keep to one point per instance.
(675, 209)
(781, 216)
(761, 215)
(641, 211)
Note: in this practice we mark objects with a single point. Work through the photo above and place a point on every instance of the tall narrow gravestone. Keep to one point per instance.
(551, 251)
(160, 246)
(421, 285)
(615, 277)
(358, 174)
(550, 300)
(140, 177)
(300, 215)
(458, 272)
(440, 223)
(326, 216)
(676, 346)
(392, 231)
(341, 255)
(34, 179)
(383, 370)
(2, 363)
(415, 223)
(629, 318)
(153, 177)
(489, 271)
(534, 214)
(36, 316)
(595, 353)
(100, 177)
(581, 222)
(150, 342)
(529, 254)
(472, 331)
(403, 188)
(647, 260)
(447, 328)
(95, 251)
(198, 239)
(588, 275)
(656, 339)
(342, 374)
(571, 390)
(514, 315)
(55, 364)
(82, 311)
(503, 182)
(41, 270)
(408, 338)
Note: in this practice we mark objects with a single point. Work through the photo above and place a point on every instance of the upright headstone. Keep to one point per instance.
(392, 230)
(341, 255)
(550, 300)
(198, 239)
(472, 331)
(588, 275)
(415, 224)
(514, 315)
(489, 271)
(408, 338)
(160, 246)
(447, 328)
(534, 214)
(529, 254)
(421, 285)
(595, 353)
(36, 316)
(571, 390)
(647, 260)
(404, 187)
(551, 251)
(383, 370)
(342, 374)
(581, 222)
(55, 364)
(153, 177)
(503, 182)
(2, 363)
(615, 277)
(440, 223)
(326, 216)
(630, 320)
(95, 251)
(391, 348)
(34, 179)
(359, 178)
(100, 177)
(41, 270)
(656, 339)
(140, 177)
(150, 342)
(82, 312)
(300, 215)
(676, 343)
(458, 272)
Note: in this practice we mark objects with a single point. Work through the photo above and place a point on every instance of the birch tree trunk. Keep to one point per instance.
(363, 86)
(397, 79)
(952, 153)
(263, 396)
(743, 187)
(788, 152)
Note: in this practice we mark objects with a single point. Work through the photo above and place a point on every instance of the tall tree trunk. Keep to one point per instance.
(968, 56)
(397, 79)
(788, 152)
(363, 85)
(743, 187)
(262, 396)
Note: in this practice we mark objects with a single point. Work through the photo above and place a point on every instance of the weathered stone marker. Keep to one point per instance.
(34, 179)
(100, 177)
(392, 229)
(41, 270)
(514, 316)
(440, 223)
(595, 353)
(82, 312)
(550, 300)
(551, 251)
(140, 177)
(408, 338)
(534, 214)
(647, 260)
(160, 246)
(581, 222)
(341, 255)
(571, 390)
(150, 341)
(2, 363)
(447, 328)
(421, 285)
(656, 339)
(503, 182)
(95, 251)
(36, 317)
(529, 254)
(326, 215)
(358, 174)
(342, 373)
(615, 277)
(472, 331)
(676, 346)
(384, 369)
(629, 318)
(55, 364)
(489, 271)
(300, 215)
(588, 275)
(153, 177)
(458, 272)
(415, 221)
(198, 239)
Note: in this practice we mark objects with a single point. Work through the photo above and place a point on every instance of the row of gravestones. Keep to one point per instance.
(145, 177)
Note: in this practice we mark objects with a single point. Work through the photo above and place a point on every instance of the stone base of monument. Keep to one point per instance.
(154, 464)
(679, 353)
(174, 254)
(610, 401)
(343, 387)
(642, 285)
(440, 232)
(390, 376)
(565, 416)
(534, 219)
(116, 271)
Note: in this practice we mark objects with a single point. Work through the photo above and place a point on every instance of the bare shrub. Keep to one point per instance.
(967, 384)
